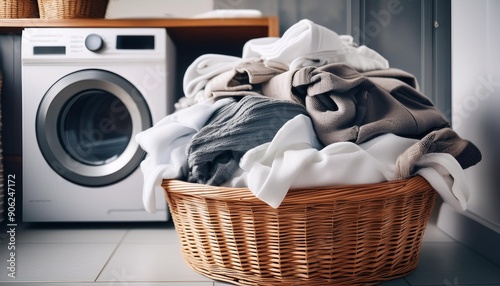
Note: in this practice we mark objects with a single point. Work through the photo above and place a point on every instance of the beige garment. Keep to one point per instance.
(394, 73)
(244, 79)
(345, 105)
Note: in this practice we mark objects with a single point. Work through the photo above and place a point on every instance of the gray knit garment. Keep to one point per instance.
(215, 151)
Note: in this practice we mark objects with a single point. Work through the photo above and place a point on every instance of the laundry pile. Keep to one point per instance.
(308, 109)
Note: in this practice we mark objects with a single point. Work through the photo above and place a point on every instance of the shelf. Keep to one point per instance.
(223, 35)
(192, 37)
(268, 25)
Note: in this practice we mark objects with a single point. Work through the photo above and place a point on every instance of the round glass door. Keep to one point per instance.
(86, 124)
(90, 131)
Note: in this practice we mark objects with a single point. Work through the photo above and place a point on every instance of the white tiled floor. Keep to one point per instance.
(149, 254)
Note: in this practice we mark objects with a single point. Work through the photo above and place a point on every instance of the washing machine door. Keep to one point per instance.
(86, 124)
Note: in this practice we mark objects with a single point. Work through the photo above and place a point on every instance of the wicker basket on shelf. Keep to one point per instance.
(350, 235)
(18, 9)
(70, 9)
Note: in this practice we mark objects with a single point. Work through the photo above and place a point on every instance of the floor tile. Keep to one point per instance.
(167, 235)
(118, 284)
(452, 264)
(156, 262)
(149, 255)
(219, 283)
(70, 235)
(395, 282)
(50, 262)
(435, 234)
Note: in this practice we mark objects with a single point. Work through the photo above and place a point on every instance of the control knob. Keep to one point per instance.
(94, 42)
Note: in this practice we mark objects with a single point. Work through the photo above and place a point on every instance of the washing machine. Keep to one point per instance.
(86, 93)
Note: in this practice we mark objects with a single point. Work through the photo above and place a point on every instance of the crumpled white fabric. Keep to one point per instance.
(295, 159)
(304, 37)
(303, 44)
(292, 160)
(446, 176)
(165, 144)
(360, 58)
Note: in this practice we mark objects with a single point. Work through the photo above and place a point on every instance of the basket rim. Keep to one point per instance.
(357, 192)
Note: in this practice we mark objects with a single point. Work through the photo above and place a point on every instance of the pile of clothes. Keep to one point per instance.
(308, 109)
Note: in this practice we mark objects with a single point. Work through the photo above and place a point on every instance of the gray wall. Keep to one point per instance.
(476, 97)
(476, 102)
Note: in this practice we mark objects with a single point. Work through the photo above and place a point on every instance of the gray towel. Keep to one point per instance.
(345, 105)
(215, 151)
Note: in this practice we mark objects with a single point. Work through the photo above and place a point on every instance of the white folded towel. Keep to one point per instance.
(165, 144)
(230, 13)
(202, 69)
(304, 37)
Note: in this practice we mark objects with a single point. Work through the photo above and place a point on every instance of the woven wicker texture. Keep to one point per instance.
(352, 235)
(18, 9)
(69, 9)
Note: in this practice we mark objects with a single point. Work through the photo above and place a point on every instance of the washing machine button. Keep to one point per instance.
(94, 42)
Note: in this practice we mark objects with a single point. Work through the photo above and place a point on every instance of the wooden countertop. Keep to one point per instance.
(180, 29)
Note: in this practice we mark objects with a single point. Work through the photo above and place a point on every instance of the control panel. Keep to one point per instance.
(97, 43)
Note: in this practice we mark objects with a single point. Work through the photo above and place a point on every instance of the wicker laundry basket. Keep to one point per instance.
(18, 9)
(351, 235)
(69, 9)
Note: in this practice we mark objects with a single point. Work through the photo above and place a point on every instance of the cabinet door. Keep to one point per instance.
(413, 36)
(10, 64)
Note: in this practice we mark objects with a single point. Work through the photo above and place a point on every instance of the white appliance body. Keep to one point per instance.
(86, 94)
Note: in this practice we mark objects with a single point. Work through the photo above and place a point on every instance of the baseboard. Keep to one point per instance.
(469, 230)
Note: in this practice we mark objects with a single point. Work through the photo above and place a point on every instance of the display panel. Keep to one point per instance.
(135, 42)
